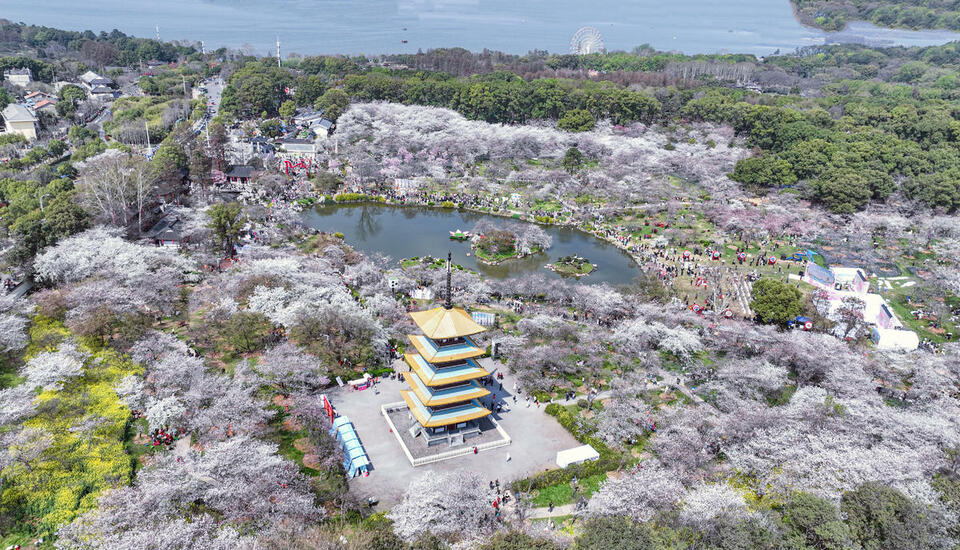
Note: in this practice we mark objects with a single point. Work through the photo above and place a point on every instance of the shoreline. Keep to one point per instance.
(526, 218)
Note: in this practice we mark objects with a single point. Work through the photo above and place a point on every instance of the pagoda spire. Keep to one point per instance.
(448, 304)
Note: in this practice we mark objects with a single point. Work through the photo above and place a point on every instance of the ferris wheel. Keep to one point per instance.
(586, 40)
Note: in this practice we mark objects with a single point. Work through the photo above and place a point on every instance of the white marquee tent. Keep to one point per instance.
(576, 455)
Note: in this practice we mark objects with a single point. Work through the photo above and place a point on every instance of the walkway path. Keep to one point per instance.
(182, 446)
(543, 513)
(678, 383)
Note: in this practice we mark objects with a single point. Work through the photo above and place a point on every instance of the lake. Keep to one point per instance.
(407, 231)
(380, 26)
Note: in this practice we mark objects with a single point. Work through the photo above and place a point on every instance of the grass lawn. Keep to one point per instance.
(898, 301)
(563, 493)
(573, 268)
(498, 257)
(8, 375)
(286, 438)
(547, 206)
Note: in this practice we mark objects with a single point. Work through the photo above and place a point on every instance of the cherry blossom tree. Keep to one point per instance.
(242, 482)
(16, 403)
(448, 504)
(50, 369)
(291, 369)
(625, 417)
(13, 324)
(640, 494)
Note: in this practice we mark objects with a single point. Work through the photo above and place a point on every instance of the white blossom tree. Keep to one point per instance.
(242, 482)
(448, 504)
(50, 369)
(709, 502)
(291, 369)
(640, 494)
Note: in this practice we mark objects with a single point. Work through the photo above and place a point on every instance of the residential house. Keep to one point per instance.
(37, 95)
(307, 118)
(260, 145)
(323, 128)
(45, 106)
(103, 93)
(18, 119)
(18, 77)
(91, 80)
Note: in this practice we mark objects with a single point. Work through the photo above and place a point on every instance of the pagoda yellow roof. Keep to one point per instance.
(434, 398)
(430, 418)
(440, 323)
(446, 354)
(433, 376)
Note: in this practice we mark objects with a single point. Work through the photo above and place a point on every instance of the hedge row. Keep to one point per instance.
(357, 197)
(569, 421)
(604, 464)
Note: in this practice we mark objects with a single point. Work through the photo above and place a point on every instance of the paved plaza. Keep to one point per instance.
(536, 439)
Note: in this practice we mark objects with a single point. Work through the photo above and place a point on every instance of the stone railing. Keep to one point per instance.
(465, 450)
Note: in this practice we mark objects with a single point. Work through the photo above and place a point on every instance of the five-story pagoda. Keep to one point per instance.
(444, 394)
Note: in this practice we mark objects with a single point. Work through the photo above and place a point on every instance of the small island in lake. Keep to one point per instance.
(494, 244)
(574, 266)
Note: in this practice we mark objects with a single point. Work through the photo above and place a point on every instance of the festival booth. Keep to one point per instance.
(576, 455)
(338, 424)
(361, 383)
(852, 278)
(356, 461)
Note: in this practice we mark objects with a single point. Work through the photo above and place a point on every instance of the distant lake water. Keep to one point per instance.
(381, 26)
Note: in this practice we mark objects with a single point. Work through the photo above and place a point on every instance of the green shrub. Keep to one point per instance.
(569, 422)
(351, 197)
(542, 396)
(565, 475)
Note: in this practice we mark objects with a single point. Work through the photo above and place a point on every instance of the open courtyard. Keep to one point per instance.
(536, 439)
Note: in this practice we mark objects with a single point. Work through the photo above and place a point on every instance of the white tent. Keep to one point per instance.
(576, 455)
(895, 339)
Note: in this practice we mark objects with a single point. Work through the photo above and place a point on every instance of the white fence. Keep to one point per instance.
(465, 450)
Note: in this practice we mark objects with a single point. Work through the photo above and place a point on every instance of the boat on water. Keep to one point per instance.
(460, 235)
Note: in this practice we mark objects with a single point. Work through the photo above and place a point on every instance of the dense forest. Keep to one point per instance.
(113, 48)
(843, 125)
(911, 14)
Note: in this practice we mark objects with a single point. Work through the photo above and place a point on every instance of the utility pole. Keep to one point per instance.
(41, 200)
(278, 52)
